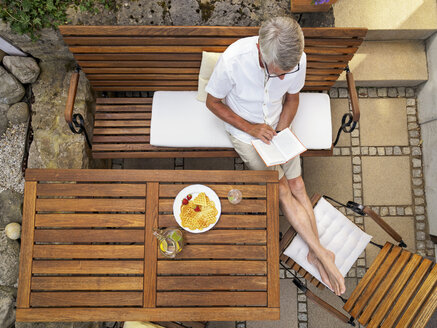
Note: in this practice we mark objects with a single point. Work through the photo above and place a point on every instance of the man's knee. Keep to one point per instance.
(296, 185)
(284, 188)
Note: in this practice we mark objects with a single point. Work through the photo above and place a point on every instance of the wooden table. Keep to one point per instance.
(88, 252)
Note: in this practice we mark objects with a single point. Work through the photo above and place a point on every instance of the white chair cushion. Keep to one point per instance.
(180, 120)
(337, 233)
(312, 123)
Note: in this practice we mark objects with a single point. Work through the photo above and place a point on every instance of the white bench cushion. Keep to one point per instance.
(312, 123)
(337, 233)
(180, 120)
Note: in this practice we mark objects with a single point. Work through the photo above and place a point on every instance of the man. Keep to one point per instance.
(259, 78)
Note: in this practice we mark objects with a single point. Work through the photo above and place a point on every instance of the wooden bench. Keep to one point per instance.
(151, 58)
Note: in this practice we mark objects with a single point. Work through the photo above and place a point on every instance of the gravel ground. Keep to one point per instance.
(11, 156)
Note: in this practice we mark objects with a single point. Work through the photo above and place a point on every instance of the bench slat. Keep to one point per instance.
(213, 267)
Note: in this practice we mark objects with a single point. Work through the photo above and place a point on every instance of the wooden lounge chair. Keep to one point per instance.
(398, 290)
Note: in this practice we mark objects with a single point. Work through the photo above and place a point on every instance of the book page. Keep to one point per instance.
(269, 153)
(288, 144)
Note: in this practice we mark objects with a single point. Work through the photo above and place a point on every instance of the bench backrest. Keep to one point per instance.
(150, 58)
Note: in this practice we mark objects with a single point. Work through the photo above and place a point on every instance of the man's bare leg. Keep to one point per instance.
(298, 217)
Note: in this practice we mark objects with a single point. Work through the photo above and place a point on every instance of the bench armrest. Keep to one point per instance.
(353, 95)
(74, 81)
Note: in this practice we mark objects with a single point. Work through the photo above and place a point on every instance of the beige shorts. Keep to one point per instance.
(253, 161)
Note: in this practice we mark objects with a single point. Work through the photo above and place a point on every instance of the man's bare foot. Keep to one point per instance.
(311, 257)
(334, 275)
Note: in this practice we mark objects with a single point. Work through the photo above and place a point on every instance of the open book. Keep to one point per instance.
(283, 147)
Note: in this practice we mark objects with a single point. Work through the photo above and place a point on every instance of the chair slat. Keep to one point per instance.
(397, 287)
(405, 297)
(427, 310)
(367, 277)
(384, 286)
(419, 299)
(376, 281)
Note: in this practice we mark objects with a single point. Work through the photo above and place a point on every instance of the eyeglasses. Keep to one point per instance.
(283, 74)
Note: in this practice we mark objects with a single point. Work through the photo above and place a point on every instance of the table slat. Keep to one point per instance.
(89, 251)
(213, 267)
(96, 299)
(87, 267)
(87, 283)
(197, 283)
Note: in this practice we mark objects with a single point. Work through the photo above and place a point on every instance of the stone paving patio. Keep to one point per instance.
(379, 164)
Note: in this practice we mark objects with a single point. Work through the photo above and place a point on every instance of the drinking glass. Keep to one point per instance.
(235, 196)
(170, 241)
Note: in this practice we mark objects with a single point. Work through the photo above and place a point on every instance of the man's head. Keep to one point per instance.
(281, 42)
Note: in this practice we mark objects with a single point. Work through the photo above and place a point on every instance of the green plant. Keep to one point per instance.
(30, 16)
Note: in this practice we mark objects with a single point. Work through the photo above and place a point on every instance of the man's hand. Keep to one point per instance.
(263, 132)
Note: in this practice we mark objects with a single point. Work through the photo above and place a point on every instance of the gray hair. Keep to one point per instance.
(281, 42)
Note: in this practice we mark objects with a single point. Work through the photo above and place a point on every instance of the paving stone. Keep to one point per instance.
(383, 122)
(419, 201)
(413, 134)
(388, 150)
(412, 126)
(417, 173)
(328, 175)
(288, 309)
(362, 92)
(411, 110)
(404, 226)
(411, 118)
(372, 92)
(317, 315)
(381, 151)
(149, 163)
(372, 151)
(382, 92)
(209, 163)
(333, 93)
(408, 210)
(420, 226)
(417, 162)
(401, 91)
(345, 151)
(397, 150)
(355, 150)
(339, 107)
(342, 92)
(411, 102)
(365, 150)
(406, 150)
(418, 192)
(336, 151)
(392, 92)
(386, 180)
(416, 151)
(409, 92)
(355, 141)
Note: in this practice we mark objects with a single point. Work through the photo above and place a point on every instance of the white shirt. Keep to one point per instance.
(240, 80)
